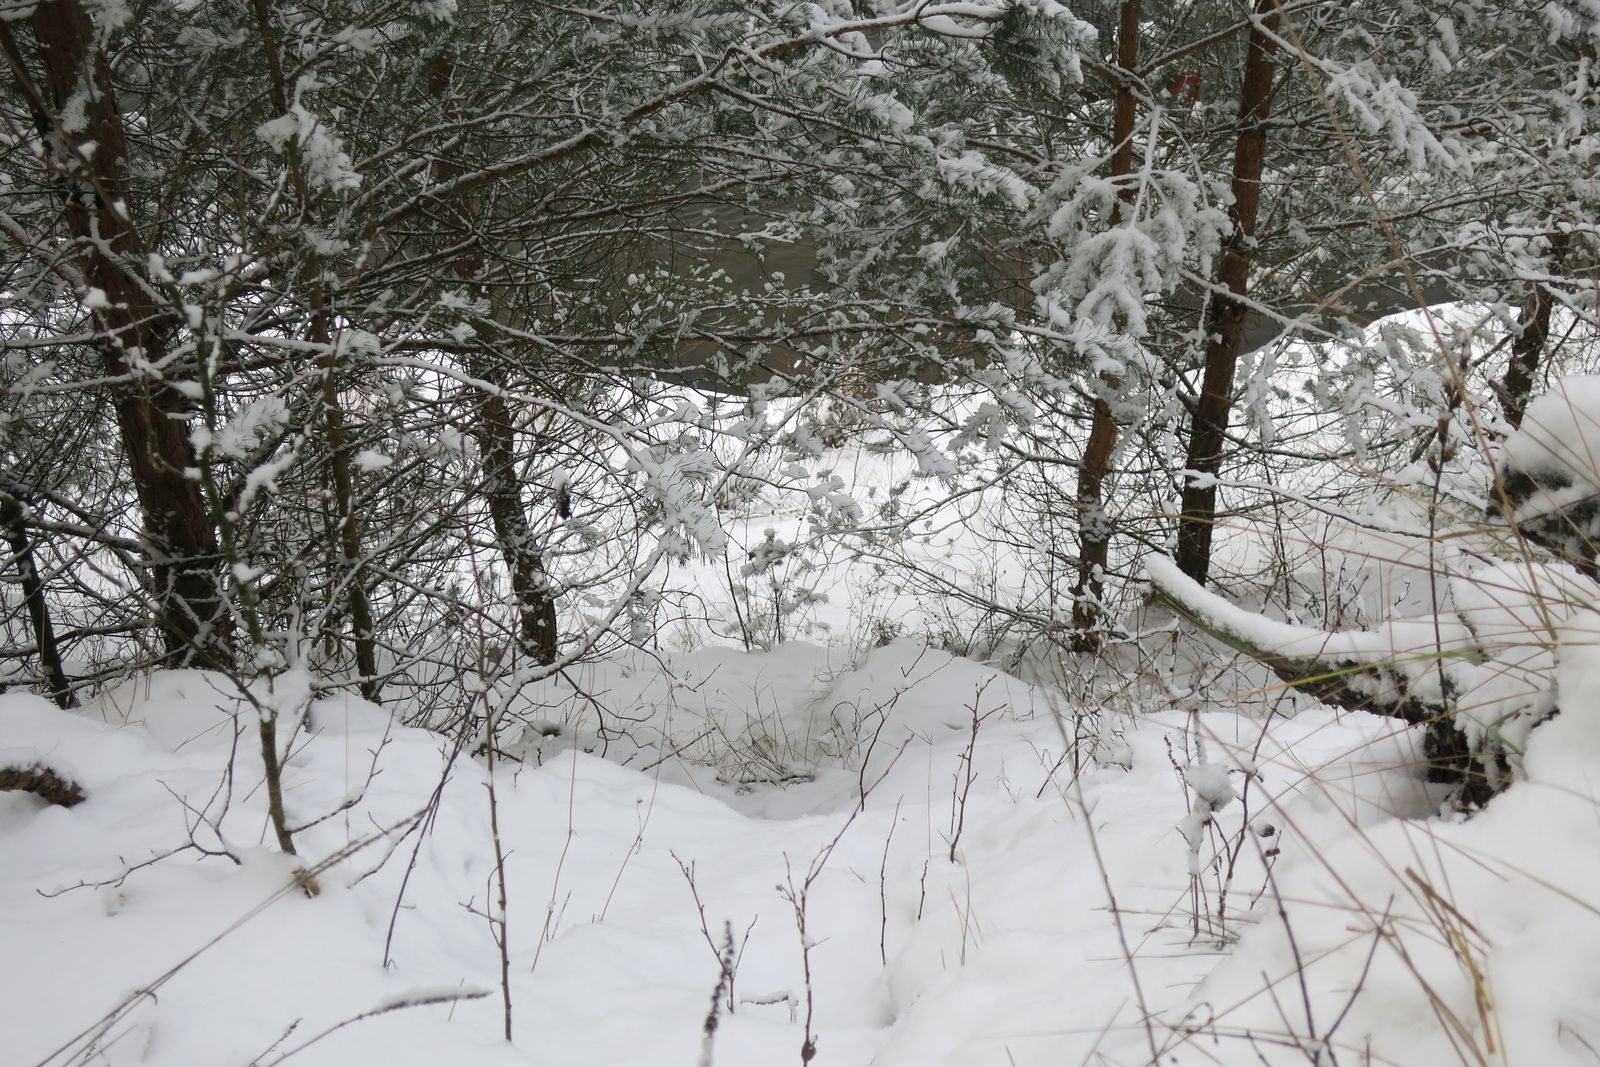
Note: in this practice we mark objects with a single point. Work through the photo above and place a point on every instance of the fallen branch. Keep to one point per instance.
(41, 781)
(1315, 663)
(1341, 680)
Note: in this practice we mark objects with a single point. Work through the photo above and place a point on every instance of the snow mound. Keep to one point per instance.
(1551, 468)
(1560, 434)
(992, 896)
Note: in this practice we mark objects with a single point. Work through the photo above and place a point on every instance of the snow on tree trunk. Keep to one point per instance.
(1550, 472)
(1477, 674)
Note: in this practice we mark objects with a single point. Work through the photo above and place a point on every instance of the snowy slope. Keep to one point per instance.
(1416, 938)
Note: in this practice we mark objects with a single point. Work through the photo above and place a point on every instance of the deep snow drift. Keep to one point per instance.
(1320, 914)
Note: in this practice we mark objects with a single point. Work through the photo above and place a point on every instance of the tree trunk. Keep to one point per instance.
(1225, 322)
(1094, 530)
(1094, 526)
(530, 585)
(492, 428)
(135, 329)
(363, 629)
(14, 519)
(349, 533)
(1527, 350)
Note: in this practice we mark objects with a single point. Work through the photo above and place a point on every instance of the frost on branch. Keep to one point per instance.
(1106, 273)
(327, 165)
(677, 486)
(1383, 106)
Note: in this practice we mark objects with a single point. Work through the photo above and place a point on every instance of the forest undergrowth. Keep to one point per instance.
(871, 849)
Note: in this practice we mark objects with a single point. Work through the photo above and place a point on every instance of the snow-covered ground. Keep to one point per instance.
(908, 858)
(1325, 907)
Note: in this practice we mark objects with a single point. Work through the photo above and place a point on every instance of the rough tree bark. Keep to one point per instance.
(1526, 352)
(42, 782)
(502, 491)
(1527, 349)
(135, 326)
(495, 432)
(13, 517)
(1226, 319)
(1094, 527)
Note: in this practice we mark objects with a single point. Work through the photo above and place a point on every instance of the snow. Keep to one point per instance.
(996, 870)
(1556, 453)
(1007, 955)
(1286, 639)
(371, 460)
(1210, 784)
(1493, 642)
(324, 159)
(1560, 432)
